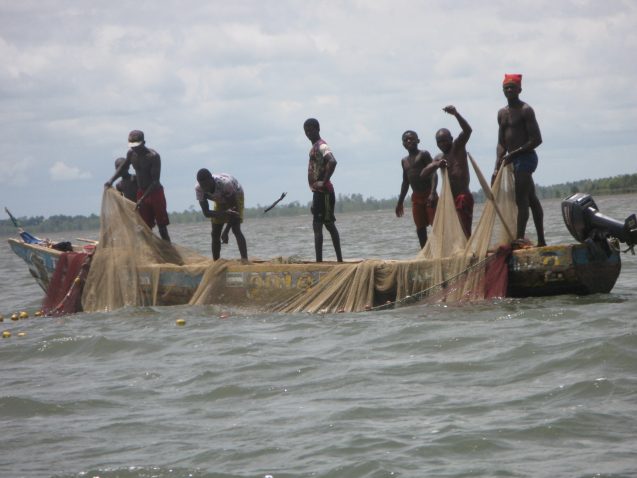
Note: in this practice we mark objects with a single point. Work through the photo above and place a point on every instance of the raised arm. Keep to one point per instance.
(465, 134)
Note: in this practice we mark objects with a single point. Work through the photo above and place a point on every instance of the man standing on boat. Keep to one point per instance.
(151, 201)
(319, 171)
(518, 136)
(423, 185)
(227, 194)
(454, 158)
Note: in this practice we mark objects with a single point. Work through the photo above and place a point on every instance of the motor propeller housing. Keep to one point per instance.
(585, 222)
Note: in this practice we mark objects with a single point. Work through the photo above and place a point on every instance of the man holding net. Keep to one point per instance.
(227, 194)
(454, 158)
(518, 136)
(151, 201)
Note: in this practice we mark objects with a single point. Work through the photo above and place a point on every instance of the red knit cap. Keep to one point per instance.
(512, 78)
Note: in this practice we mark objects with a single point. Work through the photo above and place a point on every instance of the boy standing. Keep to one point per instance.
(319, 171)
(423, 185)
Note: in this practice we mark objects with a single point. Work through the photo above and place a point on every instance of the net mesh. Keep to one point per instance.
(129, 260)
(131, 264)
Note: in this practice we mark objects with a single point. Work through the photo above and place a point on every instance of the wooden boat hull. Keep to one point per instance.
(563, 269)
(542, 271)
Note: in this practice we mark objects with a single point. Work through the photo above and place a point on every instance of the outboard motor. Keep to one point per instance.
(588, 225)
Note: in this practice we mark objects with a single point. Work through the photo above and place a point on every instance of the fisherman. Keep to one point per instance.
(127, 185)
(454, 158)
(227, 194)
(151, 201)
(518, 136)
(319, 172)
(423, 184)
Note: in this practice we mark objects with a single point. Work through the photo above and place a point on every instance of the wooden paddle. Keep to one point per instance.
(489, 194)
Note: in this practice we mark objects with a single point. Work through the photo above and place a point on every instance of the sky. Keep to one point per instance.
(227, 85)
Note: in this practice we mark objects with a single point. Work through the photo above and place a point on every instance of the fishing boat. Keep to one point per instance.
(592, 265)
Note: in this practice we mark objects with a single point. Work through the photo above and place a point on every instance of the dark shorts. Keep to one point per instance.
(153, 208)
(526, 162)
(323, 207)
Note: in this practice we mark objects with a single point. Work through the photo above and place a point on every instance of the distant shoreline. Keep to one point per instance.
(612, 186)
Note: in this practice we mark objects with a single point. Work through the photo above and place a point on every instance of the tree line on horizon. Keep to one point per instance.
(345, 203)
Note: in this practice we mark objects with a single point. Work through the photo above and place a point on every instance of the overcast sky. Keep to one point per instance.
(227, 85)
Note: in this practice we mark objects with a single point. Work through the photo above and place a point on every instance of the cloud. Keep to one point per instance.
(15, 173)
(227, 85)
(62, 172)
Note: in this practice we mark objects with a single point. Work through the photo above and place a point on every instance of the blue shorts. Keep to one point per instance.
(525, 162)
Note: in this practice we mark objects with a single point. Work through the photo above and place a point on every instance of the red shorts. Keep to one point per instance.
(420, 209)
(464, 208)
(153, 208)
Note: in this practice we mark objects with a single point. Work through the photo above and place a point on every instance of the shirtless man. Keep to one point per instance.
(127, 185)
(227, 194)
(454, 158)
(320, 168)
(423, 184)
(151, 201)
(518, 136)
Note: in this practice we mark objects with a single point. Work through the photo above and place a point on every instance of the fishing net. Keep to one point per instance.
(449, 268)
(133, 267)
(64, 293)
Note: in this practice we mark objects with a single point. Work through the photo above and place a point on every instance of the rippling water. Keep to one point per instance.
(511, 388)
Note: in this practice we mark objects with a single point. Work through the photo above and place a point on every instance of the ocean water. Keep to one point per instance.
(542, 387)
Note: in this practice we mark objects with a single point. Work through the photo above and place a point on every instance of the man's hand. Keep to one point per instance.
(232, 214)
(224, 237)
(432, 200)
(450, 109)
(440, 163)
(400, 210)
(318, 186)
(108, 184)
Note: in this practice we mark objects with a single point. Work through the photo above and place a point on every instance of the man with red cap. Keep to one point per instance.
(518, 136)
